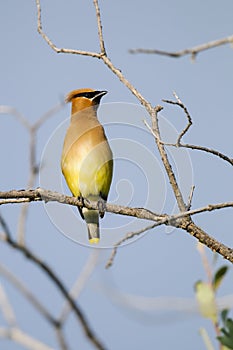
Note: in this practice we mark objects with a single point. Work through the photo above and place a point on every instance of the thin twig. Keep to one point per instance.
(151, 130)
(179, 103)
(187, 225)
(128, 236)
(184, 131)
(33, 171)
(100, 28)
(189, 204)
(52, 45)
(201, 148)
(46, 116)
(33, 167)
(5, 227)
(7, 308)
(208, 150)
(190, 51)
(16, 114)
(27, 294)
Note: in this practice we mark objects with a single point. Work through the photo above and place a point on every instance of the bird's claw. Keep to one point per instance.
(81, 199)
(101, 207)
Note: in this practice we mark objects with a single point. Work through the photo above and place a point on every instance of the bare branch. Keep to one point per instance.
(101, 55)
(191, 51)
(184, 131)
(163, 154)
(128, 236)
(33, 170)
(59, 284)
(23, 339)
(208, 150)
(40, 194)
(50, 113)
(100, 29)
(186, 223)
(15, 113)
(52, 45)
(61, 339)
(152, 111)
(27, 294)
(5, 227)
(83, 277)
(7, 308)
(173, 220)
(179, 103)
(49, 196)
(189, 204)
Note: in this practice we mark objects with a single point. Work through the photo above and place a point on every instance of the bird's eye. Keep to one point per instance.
(87, 95)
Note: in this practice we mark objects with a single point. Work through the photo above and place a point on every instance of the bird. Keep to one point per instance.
(87, 159)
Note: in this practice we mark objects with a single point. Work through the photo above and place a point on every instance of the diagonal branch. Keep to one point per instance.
(57, 281)
(164, 157)
(128, 236)
(27, 294)
(22, 338)
(7, 308)
(84, 275)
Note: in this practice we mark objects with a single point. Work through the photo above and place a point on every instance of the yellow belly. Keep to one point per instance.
(88, 169)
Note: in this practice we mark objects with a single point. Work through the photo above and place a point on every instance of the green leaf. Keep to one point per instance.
(229, 325)
(218, 277)
(226, 341)
(224, 315)
(227, 338)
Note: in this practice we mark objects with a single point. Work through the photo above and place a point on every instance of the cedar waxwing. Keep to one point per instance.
(86, 161)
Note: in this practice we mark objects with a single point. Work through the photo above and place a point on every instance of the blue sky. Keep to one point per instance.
(161, 263)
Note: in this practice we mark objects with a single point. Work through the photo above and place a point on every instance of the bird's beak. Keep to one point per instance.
(100, 94)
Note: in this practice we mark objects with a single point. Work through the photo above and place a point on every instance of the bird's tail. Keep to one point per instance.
(92, 219)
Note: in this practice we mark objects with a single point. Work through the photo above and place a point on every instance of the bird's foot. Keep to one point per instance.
(81, 199)
(101, 207)
(80, 207)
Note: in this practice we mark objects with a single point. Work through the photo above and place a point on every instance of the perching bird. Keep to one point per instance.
(86, 161)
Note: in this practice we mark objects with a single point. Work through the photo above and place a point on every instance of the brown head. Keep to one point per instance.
(84, 98)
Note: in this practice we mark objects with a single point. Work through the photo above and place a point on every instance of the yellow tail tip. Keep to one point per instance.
(94, 240)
